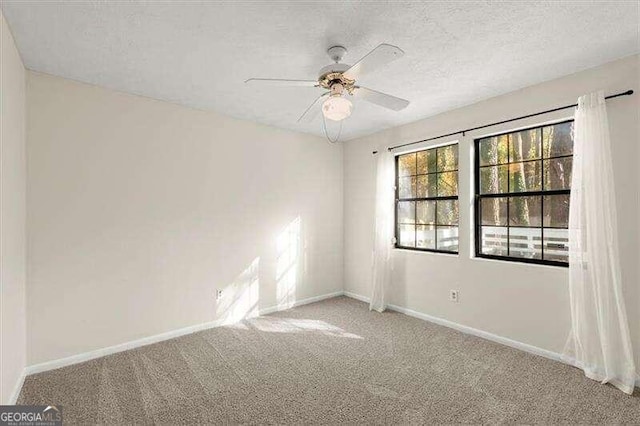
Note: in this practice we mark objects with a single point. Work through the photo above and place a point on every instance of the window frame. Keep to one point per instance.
(397, 199)
(477, 221)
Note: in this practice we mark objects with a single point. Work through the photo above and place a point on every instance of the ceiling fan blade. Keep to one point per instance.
(377, 58)
(380, 98)
(282, 82)
(310, 113)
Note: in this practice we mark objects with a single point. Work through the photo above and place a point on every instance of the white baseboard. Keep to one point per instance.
(86, 356)
(480, 333)
(17, 388)
(267, 311)
(466, 329)
(474, 331)
(357, 297)
(75, 359)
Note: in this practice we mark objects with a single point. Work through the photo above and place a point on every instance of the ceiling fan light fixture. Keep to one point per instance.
(337, 108)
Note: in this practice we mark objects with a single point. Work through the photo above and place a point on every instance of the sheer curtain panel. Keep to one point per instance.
(599, 342)
(383, 237)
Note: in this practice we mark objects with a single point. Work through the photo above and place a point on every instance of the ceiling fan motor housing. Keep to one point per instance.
(332, 74)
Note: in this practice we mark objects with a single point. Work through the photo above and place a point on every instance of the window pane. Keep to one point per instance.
(525, 243)
(447, 212)
(557, 140)
(520, 225)
(407, 164)
(447, 184)
(407, 187)
(426, 235)
(556, 245)
(494, 150)
(426, 212)
(556, 211)
(426, 161)
(406, 211)
(407, 235)
(493, 241)
(422, 175)
(524, 145)
(557, 173)
(494, 211)
(448, 238)
(426, 186)
(525, 211)
(493, 180)
(525, 176)
(448, 158)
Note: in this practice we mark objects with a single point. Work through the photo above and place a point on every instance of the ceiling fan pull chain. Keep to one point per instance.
(324, 125)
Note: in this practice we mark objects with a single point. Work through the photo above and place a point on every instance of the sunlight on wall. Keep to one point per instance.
(290, 325)
(240, 299)
(288, 245)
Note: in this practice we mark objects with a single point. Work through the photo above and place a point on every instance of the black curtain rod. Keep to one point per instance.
(627, 93)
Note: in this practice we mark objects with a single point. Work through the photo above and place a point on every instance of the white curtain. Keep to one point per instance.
(383, 238)
(599, 342)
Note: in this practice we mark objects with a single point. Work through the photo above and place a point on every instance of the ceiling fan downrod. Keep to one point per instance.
(336, 53)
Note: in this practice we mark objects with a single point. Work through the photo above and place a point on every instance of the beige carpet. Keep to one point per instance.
(329, 362)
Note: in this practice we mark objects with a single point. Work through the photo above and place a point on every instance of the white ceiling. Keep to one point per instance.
(199, 53)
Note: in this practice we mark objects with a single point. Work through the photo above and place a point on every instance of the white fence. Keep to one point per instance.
(518, 242)
(526, 243)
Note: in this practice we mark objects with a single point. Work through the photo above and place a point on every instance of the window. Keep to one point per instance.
(523, 181)
(427, 200)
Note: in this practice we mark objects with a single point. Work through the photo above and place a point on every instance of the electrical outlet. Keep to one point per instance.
(218, 294)
(454, 296)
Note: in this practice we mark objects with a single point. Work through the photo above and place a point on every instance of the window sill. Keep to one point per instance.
(414, 251)
(519, 263)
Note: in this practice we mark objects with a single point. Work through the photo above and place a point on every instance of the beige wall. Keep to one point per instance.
(527, 303)
(12, 215)
(140, 209)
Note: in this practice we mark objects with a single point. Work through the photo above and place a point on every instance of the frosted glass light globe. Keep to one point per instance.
(337, 108)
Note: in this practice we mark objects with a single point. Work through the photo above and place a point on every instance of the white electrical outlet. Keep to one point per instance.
(454, 296)
(218, 294)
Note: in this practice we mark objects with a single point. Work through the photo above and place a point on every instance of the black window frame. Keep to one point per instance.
(397, 199)
(478, 199)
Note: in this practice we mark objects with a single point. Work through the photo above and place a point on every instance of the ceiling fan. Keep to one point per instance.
(340, 81)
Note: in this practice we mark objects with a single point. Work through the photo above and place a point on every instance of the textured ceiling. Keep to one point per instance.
(199, 53)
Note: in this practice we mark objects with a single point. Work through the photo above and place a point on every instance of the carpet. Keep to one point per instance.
(329, 362)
